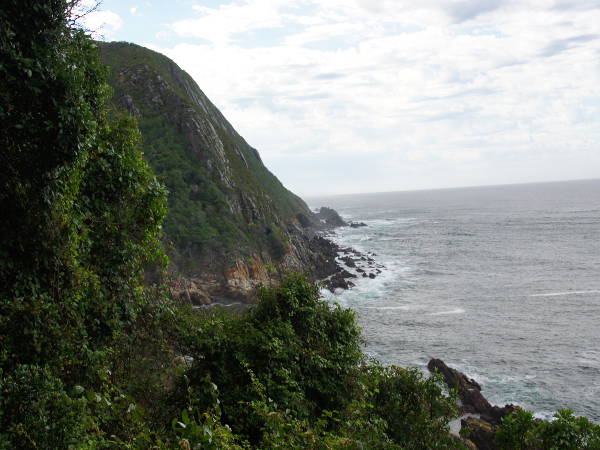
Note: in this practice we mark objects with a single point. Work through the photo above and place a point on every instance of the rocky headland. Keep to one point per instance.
(232, 226)
(479, 419)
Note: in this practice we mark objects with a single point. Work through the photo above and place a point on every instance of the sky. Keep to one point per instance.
(349, 96)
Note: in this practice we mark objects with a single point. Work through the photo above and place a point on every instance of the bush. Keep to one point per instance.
(36, 412)
(565, 432)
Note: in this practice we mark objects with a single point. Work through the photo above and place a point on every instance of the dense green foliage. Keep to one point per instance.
(289, 373)
(80, 227)
(522, 432)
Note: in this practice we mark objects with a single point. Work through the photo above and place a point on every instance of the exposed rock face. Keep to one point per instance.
(470, 394)
(469, 390)
(482, 430)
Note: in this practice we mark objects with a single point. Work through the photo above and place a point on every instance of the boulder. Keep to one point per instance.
(349, 261)
(357, 224)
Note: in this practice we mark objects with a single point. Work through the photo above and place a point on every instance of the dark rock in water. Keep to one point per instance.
(338, 281)
(330, 217)
(365, 275)
(359, 270)
(372, 275)
(345, 274)
(469, 390)
(357, 224)
(479, 431)
(349, 261)
(470, 394)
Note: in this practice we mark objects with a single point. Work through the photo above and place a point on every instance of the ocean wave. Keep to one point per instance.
(563, 294)
(452, 311)
(386, 308)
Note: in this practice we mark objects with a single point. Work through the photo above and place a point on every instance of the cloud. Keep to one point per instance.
(102, 24)
(470, 9)
(402, 87)
(133, 10)
(561, 45)
(565, 5)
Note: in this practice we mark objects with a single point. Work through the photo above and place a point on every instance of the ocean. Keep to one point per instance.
(500, 282)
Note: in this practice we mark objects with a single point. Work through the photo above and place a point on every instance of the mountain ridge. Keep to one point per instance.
(232, 224)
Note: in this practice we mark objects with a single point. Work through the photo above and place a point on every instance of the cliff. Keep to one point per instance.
(232, 225)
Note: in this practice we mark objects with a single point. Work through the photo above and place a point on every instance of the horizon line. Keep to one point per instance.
(453, 187)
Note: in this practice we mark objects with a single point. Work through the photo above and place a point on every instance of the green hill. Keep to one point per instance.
(229, 217)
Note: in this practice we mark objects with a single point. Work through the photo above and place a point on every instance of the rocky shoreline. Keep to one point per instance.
(479, 419)
(350, 264)
(313, 251)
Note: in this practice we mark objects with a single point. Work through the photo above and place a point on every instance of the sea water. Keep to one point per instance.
(502, 283)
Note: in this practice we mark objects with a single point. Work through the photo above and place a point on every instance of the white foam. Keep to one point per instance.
(386, 308)
(562, 294)
(453, 311)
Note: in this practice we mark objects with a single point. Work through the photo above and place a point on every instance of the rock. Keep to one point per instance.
(359, 270)
(345, 274)
(469, 390)
(470, 394)
(330, 217)
(365, 275)
(337, 281)
(372, 275)
(357, 224)
(480, 433)
(349, 261)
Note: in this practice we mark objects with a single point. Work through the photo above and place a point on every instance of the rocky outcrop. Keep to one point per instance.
(330, 217)
(356, 224)
(470, 394)
(481, 430)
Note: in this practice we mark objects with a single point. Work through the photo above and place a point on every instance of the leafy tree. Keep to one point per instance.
(80, 227)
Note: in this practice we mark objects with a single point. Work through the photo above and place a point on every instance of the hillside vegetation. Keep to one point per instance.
(224, 204)
(93, 354)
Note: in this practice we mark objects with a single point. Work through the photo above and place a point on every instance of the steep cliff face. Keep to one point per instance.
(232, 225)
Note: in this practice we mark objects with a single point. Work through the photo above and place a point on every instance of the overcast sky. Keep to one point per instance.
(344, 96)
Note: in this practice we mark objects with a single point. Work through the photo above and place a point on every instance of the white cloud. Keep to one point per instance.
(100, 23)
(133, 10)
(461, 92)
